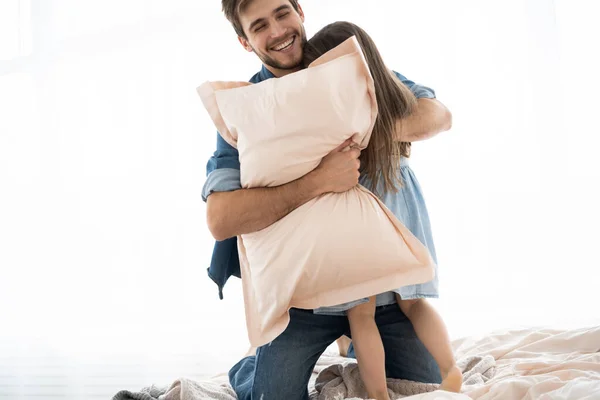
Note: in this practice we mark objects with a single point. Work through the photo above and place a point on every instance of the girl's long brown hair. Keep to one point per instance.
(381, 159)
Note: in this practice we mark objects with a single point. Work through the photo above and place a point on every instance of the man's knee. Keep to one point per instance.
(241, 378)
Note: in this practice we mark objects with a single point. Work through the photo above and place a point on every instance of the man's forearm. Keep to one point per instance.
(249, 210)
(427, 120)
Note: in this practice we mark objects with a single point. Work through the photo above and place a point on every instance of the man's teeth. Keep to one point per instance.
(284, 44)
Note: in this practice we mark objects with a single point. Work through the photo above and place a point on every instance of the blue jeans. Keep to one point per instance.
(282, 369)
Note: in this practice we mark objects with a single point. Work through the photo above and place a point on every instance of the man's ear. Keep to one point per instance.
(244, 42)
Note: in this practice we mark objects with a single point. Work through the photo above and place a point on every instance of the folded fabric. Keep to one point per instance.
(337, 247)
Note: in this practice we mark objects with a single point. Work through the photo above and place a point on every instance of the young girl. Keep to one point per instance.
(381, 166)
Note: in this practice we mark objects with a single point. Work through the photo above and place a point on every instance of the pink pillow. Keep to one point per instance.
(337, 247)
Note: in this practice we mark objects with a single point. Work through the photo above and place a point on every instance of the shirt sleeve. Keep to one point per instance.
(420, 91)
(222, 170)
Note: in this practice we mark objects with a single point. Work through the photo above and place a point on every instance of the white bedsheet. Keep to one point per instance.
(538, 364)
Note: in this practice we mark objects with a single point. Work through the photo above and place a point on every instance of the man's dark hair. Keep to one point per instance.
(232, 9)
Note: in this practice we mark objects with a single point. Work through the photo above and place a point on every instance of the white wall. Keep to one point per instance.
(103, 146)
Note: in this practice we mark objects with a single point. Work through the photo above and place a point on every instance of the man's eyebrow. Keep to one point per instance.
(278, 9)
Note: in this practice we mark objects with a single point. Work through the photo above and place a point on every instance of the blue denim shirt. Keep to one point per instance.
(223, 175)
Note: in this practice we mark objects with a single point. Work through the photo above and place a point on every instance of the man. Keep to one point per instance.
(274, 31)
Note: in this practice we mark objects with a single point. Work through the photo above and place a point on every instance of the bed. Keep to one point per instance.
(513, 364)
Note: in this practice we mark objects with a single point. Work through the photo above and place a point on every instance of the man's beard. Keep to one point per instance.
(271, 62)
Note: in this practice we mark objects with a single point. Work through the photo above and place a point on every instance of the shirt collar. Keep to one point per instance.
(265, 74)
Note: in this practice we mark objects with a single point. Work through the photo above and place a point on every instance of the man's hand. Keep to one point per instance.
(243, 211)
(339, 170)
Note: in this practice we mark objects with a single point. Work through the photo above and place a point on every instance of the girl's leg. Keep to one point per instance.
(369, 349)
(432, 331)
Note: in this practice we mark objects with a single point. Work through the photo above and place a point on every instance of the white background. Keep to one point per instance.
(104, 142)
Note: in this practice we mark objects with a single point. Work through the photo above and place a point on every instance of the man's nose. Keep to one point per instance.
(278, 31)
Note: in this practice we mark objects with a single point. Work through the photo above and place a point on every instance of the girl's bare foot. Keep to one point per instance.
(343, 344)
(452, 382)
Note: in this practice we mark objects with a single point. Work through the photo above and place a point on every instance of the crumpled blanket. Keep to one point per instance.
(217, 388)
(334, 378)
(522, 364)
(342, 380)
(477, 370)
